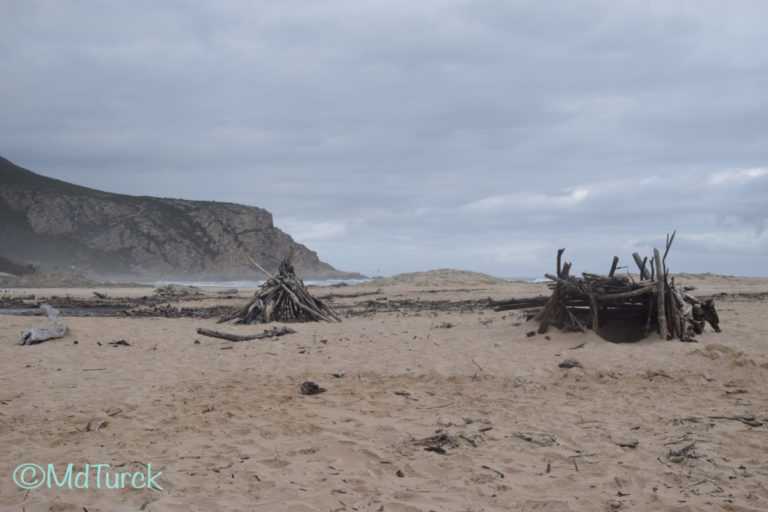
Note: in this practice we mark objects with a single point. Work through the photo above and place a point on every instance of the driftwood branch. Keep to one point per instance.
(625, 295)
(37, 334)
(660, 293)
(670, 239)
(641, 265)
(613, 266)
(269, 333)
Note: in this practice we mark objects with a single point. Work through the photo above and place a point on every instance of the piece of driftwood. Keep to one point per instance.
(269, 333)
(282, 298)
(641, 265)
(39, 334)
(660, 293)
(533, 302)
(613, 266)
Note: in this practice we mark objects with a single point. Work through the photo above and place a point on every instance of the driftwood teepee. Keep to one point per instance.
(578, 303)
(282, 298)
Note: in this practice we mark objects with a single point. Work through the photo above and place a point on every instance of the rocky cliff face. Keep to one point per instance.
(54, 224)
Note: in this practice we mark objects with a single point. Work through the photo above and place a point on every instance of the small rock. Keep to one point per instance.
(400, 474)
(530, 334)
(570, 363)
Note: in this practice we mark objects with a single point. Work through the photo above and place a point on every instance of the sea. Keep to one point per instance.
(326, 282)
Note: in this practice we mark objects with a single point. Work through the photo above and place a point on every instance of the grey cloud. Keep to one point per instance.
(378, 123)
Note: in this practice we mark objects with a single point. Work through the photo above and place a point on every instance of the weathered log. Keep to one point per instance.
(660, 292)
(37, 335)
(613, 266)
(625, 295)
(270, 333)
(685, 314)
(595, 309)
(545, 317)
(649, 316)
(641, 265)
(520, 303)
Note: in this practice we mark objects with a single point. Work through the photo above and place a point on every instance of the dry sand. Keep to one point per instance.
(227, 427)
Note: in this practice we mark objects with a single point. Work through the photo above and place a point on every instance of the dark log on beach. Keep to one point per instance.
(506, 305)
(270, 333)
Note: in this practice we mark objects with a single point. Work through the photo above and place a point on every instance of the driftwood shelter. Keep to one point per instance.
(283, 297)
(618, 307)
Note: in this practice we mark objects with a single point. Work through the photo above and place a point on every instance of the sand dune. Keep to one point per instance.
(440, 277)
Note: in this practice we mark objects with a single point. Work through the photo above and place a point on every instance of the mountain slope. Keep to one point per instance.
(54, 224)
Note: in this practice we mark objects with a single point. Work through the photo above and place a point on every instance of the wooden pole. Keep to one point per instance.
(549, 310)
(660, 295)
(626, 295)
(648, 318)
(641, 266)
(613, 266)
(595, 308)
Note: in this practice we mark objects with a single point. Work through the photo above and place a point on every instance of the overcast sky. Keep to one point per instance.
(395, 136)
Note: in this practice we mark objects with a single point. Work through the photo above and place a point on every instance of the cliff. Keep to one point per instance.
(60, 226)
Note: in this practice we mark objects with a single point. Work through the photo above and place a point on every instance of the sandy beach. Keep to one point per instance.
(439, 408)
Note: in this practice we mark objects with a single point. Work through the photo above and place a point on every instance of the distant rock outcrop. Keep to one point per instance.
(57, 225)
